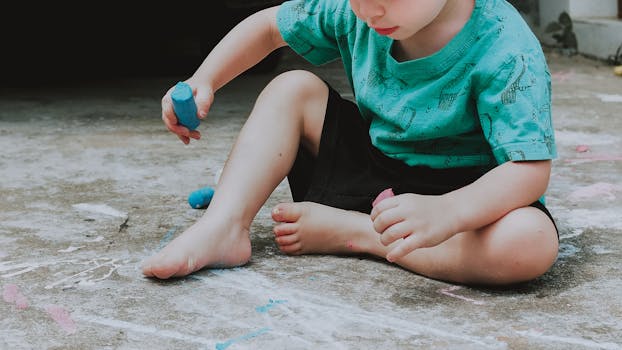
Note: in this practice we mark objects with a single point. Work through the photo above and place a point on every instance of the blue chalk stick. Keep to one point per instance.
(184, 106)
(201, 198)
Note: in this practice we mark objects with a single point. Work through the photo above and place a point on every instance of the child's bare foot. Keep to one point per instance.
(208, 243)
(308, 228)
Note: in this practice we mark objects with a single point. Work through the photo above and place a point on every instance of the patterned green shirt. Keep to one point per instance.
(482, 100)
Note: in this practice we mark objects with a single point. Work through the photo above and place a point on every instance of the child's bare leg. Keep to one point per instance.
(519, 247)
(290, 110)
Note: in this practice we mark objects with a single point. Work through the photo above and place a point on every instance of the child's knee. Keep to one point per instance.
(298, 82)
(525, 246)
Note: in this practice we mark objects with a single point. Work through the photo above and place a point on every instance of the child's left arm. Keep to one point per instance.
(426, 221)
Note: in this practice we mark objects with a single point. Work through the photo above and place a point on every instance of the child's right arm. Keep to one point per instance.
(244, 46)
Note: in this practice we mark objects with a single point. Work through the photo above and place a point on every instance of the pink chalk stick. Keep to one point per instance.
(388, 193)
(62, 318)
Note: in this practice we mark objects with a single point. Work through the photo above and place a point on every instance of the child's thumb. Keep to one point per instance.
(203, 101)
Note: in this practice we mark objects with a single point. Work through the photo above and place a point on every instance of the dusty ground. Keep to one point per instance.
(91, 183)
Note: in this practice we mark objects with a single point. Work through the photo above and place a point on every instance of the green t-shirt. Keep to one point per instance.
(482, 100)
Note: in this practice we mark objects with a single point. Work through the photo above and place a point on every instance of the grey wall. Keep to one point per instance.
(529, 10)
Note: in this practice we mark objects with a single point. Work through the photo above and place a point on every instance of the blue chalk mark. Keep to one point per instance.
(222, 271)
(226, 344)
(271, 303)
(167, 238)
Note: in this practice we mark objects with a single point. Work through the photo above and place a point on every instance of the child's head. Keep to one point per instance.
(399, 19)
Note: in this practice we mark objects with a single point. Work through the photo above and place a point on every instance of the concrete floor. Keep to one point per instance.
(92, 183)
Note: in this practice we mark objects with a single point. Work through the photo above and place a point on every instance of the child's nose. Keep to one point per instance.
(371, 11)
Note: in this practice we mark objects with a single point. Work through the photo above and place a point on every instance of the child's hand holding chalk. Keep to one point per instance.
(183, 115)
(184, 106)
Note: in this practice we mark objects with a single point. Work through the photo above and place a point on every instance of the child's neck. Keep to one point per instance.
(437, 34)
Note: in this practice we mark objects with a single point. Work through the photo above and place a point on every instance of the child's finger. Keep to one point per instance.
(178, 129)
(203, 99)
(385, 219)
(382, 206)
(195, 134)
(394, 232)
(170, 120)
(407, 246)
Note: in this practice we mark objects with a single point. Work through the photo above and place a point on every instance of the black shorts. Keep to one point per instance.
(349, 172)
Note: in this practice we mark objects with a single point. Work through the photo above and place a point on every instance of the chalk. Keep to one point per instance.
(184, 106)
(449, 292)
(100, 209)
(11, 294)
(62, 317)
(228, 343)
(271, 303)
(201, 198)
(388, 193)
(582, 148)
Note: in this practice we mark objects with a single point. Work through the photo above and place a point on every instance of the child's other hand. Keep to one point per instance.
(203, 97)
(412, 221)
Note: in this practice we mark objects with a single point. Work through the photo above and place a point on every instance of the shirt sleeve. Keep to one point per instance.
(514, 108)
(309, 28)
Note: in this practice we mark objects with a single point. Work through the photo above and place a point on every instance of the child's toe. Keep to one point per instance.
(287, 212)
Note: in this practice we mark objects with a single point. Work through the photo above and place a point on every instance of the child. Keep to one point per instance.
(452, 112)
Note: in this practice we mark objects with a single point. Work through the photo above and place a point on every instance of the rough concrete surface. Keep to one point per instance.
(91, 183)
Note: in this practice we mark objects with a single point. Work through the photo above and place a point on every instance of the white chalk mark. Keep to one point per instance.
(609, 98)
(96, 239)
(600, 190)
(70, 249)
(100, 209)
(86, 280)
(448, 291)
(12, 267)
(331, 311)
(599, 249)
(28, 269)
(151, 330)
(568, 340)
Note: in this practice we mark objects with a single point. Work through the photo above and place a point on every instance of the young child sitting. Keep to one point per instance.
(452, 112)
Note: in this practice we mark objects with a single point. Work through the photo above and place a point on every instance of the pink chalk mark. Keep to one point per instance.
(562, 75)
(388, 193)
(448, 291)
(594, 158)
(11, 294)
(602, 190)
(582, 148)
(21, 302)
(62, 318)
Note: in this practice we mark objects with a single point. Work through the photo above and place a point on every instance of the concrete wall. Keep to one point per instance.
(595, 25)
